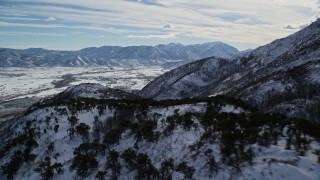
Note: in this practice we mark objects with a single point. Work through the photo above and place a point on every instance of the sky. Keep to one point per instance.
(77, 24)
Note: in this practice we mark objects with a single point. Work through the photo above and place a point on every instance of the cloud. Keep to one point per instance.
(167, 26)
(147, 2)
(250, 21)
(289, 27)
(77, 33)
(9, 24)
(299, 26)
(51, 46)
(19, 15)
(158, 36)
(48, 26)
(294, 27)
(19, 18)
(51, 19)
(9, 33)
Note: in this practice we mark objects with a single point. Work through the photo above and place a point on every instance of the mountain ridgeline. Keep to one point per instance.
(281, 77)
(171, 55)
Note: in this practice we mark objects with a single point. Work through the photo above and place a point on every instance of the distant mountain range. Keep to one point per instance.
(169, 55)
(283, 76)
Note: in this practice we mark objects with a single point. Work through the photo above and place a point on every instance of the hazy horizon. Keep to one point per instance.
(122, 46)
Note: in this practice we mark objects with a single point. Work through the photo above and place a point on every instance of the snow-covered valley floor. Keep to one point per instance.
(43, 81)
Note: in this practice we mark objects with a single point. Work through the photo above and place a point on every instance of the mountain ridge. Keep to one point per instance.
(267, 77)
(115, 56)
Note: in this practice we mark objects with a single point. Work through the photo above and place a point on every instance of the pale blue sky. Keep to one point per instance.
(76, 24)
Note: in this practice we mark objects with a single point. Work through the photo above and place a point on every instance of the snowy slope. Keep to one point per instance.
(9, 109)
(188, 139)
(270, 77)
(187, 80)
(93, 90)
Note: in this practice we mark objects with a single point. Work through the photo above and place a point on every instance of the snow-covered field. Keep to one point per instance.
(27, 82)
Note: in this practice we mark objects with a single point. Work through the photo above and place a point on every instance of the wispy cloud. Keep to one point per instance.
(77, 33)
(51, 46)
(19, 15)
(249, 21)
(51, 19)
(294, 27)
(48, 26)
(167, 26)
(147, 2)
(158, 36)
(19, 18)
(300, 25)
(9, 33)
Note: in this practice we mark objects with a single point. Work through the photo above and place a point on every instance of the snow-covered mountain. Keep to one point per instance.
(282, 76)
(206, 138)
(171, 55)
(188, 80)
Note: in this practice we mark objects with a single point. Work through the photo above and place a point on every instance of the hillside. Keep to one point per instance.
(279, 77)
(93, 90)
(206, 138)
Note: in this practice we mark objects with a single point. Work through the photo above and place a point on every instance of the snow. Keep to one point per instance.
(87, 91)
(181, 109)
(63, 144)
(236, 76)
(274, 162)
(285, 131)
(314, 75)
(265, 89)
(231, 109)
(28, 82)
(274, 85)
